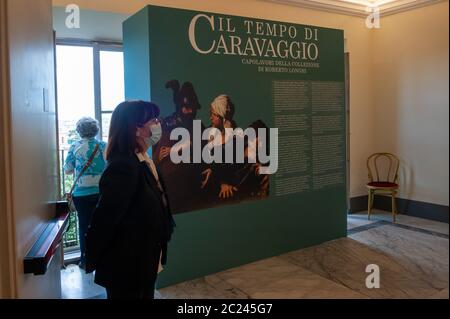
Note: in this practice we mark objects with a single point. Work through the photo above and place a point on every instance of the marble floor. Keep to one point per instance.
(412, 256)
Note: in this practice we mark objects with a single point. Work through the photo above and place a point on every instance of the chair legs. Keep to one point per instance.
(371, 201)
(394, 206)
(370, 204)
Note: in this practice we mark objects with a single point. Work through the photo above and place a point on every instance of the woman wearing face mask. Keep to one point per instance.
(127, 240)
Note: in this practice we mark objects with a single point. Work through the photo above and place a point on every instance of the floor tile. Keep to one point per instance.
(345, 262)
(76, 284)
(404, 220)
(423, 255)
(412, 256)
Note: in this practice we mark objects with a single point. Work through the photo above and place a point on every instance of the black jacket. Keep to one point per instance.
(129, 224)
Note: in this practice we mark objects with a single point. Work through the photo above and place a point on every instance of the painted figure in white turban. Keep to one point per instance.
(220, 178)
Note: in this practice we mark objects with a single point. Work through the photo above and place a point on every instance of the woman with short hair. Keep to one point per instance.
(132, 224)
(85, 192)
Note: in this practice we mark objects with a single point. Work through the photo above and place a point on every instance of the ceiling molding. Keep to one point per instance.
(405, 5)
(358, 7)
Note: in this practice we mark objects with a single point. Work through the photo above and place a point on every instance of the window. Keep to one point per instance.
(90, 81)
(111, 86)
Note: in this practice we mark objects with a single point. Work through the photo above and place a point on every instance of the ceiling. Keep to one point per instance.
(347, 7)
(359, 7)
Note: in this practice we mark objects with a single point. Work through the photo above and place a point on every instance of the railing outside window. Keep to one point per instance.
(71, 237)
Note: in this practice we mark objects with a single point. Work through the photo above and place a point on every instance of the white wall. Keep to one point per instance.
(358, 44)
(32, 137)
(411, 78)
(94, 25)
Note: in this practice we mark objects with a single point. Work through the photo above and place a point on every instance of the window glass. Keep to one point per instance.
(111, 79)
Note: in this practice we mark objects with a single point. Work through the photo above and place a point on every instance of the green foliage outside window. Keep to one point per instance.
(71, 238)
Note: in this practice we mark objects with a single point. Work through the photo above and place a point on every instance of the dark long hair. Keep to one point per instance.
(125, 120)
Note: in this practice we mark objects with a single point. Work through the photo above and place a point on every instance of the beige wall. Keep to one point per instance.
(411, 79)
(31, 131)
(358, 44)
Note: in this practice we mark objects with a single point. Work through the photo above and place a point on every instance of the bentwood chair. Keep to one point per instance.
(383, 179)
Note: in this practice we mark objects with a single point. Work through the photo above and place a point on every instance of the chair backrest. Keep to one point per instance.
(382, 173)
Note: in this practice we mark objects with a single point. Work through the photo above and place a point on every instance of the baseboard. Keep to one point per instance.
(414, 208)
(358, 204)
(408, 207)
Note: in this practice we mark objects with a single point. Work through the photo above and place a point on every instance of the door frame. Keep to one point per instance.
(347, 124)
(8, 271)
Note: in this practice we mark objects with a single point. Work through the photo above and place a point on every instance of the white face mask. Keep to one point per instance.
(156, 130)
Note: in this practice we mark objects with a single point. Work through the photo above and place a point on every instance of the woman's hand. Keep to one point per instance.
(227, 191)
(206, 174)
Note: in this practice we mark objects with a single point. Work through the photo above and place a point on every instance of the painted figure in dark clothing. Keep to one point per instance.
(183, 180)
(252, 184)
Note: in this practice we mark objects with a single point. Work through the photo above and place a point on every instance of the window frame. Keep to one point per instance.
(97, 47)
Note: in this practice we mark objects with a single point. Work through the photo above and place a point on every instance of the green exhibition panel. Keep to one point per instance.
(277, 75)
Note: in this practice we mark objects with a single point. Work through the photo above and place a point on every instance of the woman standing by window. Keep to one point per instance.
(132, 224)
(85, 192)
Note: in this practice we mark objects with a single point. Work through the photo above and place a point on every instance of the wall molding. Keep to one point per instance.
(407, 207)
(358, 7)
